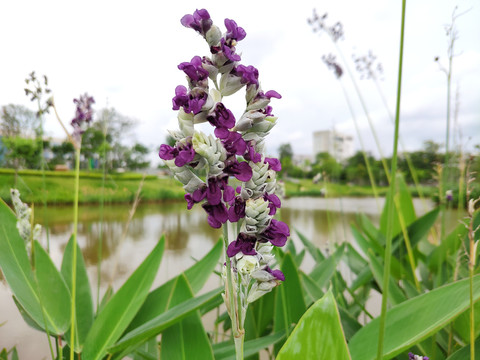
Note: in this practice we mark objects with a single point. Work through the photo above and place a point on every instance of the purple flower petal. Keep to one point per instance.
(244, 244)
(277, 233)
(274, 164)
(166, 152)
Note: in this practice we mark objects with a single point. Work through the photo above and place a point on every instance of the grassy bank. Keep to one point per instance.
(122, 187)
(60, 187)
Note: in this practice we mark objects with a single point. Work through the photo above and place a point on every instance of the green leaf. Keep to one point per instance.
(147, 351)
(53, 292)
(226, 350)
(464, 352)
(396, 296)
(197, 275)
(323, 272)
(414, 320)
(311, 248)
(289, 300)
(318, 335)
(186, 339)
(83, 295)
(16, 267)
(112, 321)
(163, 321)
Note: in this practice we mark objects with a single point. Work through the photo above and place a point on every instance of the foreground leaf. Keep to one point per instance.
(163, 321)
(83, 297)
(120, 310)
(414, 320)
(52, 291)
(318, 335)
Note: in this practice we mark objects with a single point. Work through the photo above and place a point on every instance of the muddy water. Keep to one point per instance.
(187, 234)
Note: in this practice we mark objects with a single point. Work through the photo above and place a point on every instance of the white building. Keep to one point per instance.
(339, 145)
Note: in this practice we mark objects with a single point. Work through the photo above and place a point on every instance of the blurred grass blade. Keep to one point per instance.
(84, 301)
(186, 339)
(414, 320)
(114, 318)
(318, 335)
(163, 321)
(52, 290)
(311, 248)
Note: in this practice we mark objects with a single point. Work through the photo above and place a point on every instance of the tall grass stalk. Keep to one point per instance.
(74, 260)
(390, 209)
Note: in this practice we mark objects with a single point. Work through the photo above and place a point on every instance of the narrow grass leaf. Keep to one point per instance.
(318, 335)
(114, 318)
(414, 320)
(464, 352)
(83, 301)
(186, 339)
(311, 248)
(52, 290)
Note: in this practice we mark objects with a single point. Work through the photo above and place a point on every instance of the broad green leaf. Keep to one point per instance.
(415, 231)
(354, 260)
(161, 322)
(395, 294)
(53, 292)
(311, 248)
(112, 321)
(323, 272)
(16, 266)
(186, 339)
(414, 320)
(197, 275)
(364, 242)
(83, 295)
(259, 318)
(464, 353)
(318, 335)
(349, 323)
(226, 350)
(447, 247)
(147, 351)
(289, 299)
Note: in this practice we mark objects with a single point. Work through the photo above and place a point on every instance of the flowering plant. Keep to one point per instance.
(235, 152)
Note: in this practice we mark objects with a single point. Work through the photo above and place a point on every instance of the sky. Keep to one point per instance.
(126, 54)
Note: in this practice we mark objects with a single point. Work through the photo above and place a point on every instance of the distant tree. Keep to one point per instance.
(22, 153)
(285, 151)
(135, 157)
(61, 153)
(327, 165)
(356, 170)
(285, 156)
(17, 120)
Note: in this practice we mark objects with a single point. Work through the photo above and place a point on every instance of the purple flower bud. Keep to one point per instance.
(234, 32)
(194, 70)
(273, 164)
(217, 214)
(248, 74)
(200, 21)
(237, 210)
(277, 233)
(166, 152)
(244, 244)
(276, 273)
(274, 203)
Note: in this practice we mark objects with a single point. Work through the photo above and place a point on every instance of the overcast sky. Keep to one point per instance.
(126, 53)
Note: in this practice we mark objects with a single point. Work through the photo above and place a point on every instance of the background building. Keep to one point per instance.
(339, 145)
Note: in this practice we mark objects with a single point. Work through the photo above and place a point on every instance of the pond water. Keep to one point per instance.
(188, 237)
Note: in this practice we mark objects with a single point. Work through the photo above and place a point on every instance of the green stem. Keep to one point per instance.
(74, 260)
(237, 332)
(390, 209)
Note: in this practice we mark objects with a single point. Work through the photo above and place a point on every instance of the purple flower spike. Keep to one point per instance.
(200, 21)
(277, 233)
(234, 32)
(244, 244)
